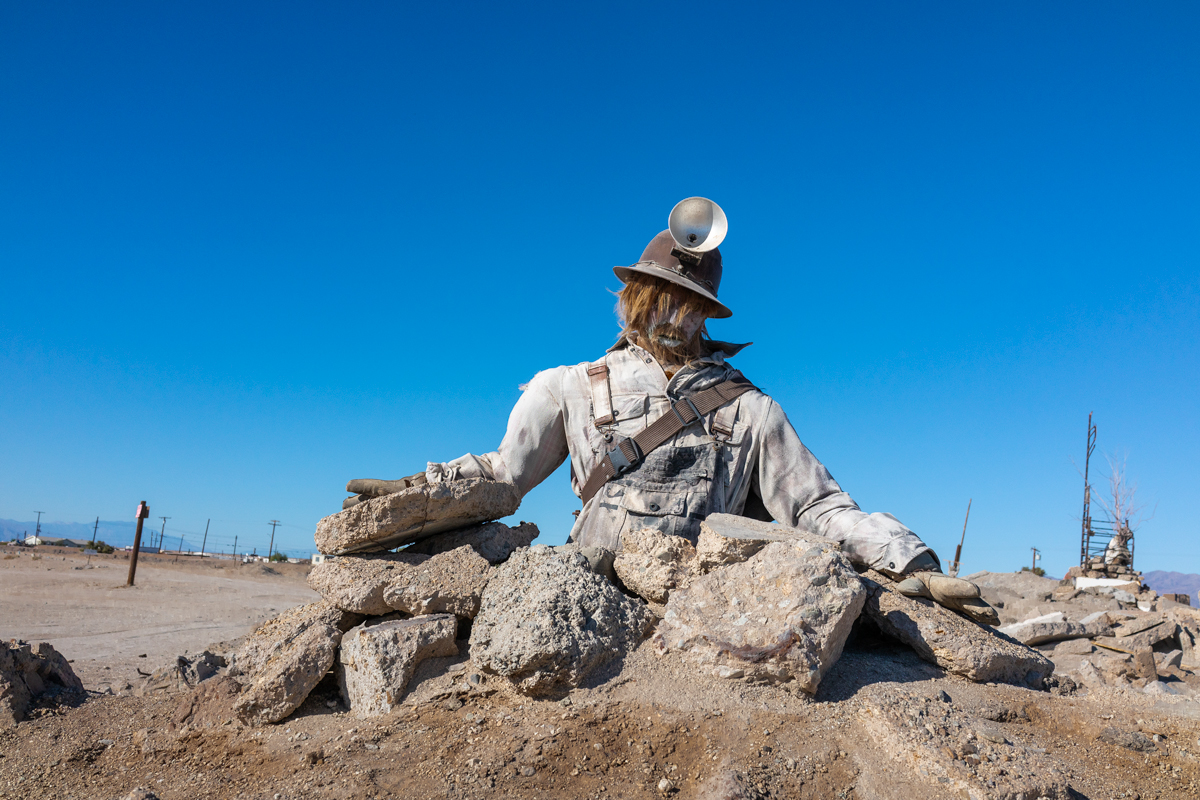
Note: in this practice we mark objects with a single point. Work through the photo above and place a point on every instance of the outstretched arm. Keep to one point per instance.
(534, 445)
(798, 491)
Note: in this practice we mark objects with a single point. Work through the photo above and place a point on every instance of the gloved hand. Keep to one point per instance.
(366, 488)
(955, 594)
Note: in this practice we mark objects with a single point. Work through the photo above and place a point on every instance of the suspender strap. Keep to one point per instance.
(601, 393)
(628, 453)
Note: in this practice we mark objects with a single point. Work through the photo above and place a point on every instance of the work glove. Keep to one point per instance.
(366, 488)
(955, 594)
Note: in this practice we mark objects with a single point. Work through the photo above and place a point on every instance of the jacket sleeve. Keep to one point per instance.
(534, 445)
(798, 491)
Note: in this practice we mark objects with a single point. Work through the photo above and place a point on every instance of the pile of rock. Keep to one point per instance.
(1097, 567)
(1123, 636)
(750, 601)
(29, 673)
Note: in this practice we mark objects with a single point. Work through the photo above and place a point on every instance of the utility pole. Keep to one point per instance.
(94, 531)
(235, 547)
(38, 531)
(160, 533)
(271, 548)
(143, 511)
(1037, 556)
(205, 538)
(958, 550)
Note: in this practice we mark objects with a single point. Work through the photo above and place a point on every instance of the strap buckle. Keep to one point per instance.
(683, 422)
(620, 461)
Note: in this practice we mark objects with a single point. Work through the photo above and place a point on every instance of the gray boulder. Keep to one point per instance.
(651, 564)
(495, 541)
(383, 523)
(378, 658)
(782, 616)
(547, 621)
(28, 672)
(954, 643)
(449, 583)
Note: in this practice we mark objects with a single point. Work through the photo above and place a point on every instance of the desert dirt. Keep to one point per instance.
(650, 727)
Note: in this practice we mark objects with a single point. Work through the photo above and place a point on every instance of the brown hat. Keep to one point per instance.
(657, 261)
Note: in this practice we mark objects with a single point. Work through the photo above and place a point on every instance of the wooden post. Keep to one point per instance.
(143, 511)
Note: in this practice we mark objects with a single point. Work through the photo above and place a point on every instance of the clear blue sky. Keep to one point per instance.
(250, 251)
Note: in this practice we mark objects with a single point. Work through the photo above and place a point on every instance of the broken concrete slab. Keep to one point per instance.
(1189, 645)
(29, 671)
(446, 583)
(1167, 660)
(730, 539)
(378, 659)
(1138, 624)
(356, 583)
(954, 643)
(1147, 638)
(288, 676)
(547, 621)
(1073, 647)
(394, 520)
(273, 636)
(651, 564)
(782, 616)
(495, 541)
(1052, 628)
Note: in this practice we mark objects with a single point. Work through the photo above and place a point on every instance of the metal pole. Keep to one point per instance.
(94, 530)
(235, 547)
(958, 550)
(271, 547)
(160, 533)
(1035, 558)
(143, 511)
(38, 531)
(205, 538)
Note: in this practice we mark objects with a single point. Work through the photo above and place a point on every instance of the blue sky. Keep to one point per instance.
(249, 253)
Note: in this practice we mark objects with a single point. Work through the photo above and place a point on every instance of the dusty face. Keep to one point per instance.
(670, 329)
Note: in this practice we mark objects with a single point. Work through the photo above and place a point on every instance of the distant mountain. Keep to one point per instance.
(117, 534)
(1174, 583)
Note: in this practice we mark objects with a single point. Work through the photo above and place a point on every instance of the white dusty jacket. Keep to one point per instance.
(744, 451)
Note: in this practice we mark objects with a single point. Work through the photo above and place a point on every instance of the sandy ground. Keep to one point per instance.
(109, 631)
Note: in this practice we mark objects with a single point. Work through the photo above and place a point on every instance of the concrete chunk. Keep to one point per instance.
(651, 563)
(729, 539)
(1052, 628)
(288, 676)
(782, 616)
(547, 621)
(273, 636)
(449, 583)
(495, 541)
(378, 659)
(383, 523)
(954, 643)
(357, 583)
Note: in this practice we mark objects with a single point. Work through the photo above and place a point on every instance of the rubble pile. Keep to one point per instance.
(749, 601)
(1123, 638)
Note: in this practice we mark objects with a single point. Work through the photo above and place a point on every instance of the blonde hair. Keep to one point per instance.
(643, 295)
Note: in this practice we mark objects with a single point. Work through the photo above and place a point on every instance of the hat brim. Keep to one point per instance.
(655, 271)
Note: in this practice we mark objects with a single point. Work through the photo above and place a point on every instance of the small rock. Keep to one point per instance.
(140, 794)
(528, 771)
(666, 785)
